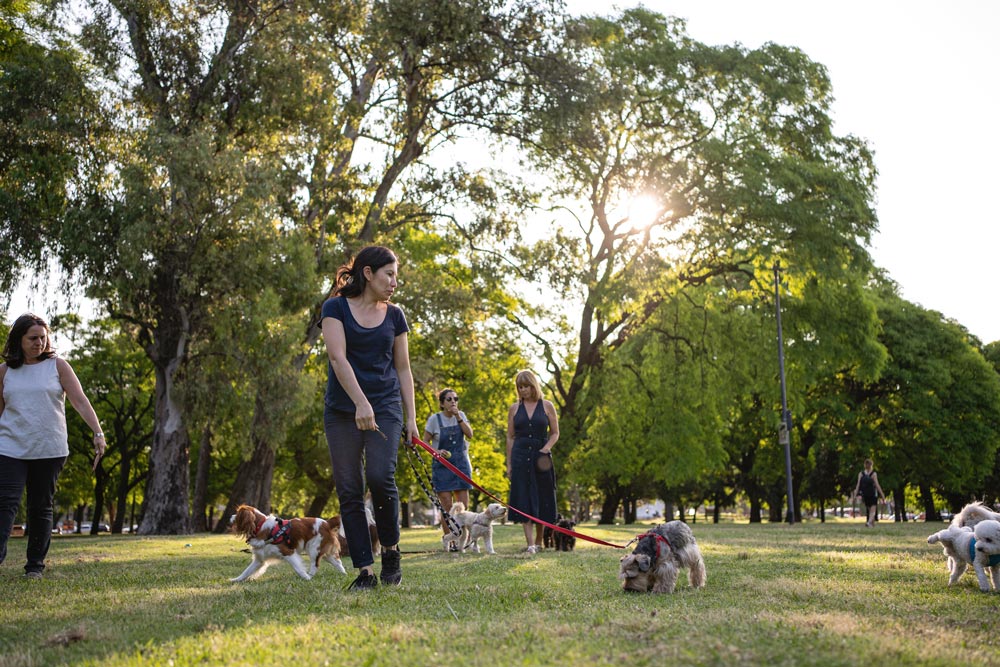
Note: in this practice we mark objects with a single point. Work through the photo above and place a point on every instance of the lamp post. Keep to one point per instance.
(785, 429)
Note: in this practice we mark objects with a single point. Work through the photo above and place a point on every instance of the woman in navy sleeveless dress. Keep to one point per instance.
(532, 430)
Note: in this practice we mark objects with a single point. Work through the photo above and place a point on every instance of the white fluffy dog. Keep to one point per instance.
(973, 513)
(965, 546)
(474, 525)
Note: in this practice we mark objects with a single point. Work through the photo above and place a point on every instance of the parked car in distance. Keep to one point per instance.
(101, 527)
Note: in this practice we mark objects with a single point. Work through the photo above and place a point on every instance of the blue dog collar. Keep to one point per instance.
(994, 559)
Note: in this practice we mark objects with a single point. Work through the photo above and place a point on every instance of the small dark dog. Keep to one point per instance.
(562, 541)
(547, 534)
(658, 557)
(553, 539)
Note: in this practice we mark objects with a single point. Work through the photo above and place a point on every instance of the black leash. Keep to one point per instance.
(423, 479)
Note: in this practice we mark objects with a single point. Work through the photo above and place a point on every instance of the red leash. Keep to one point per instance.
(566, 531)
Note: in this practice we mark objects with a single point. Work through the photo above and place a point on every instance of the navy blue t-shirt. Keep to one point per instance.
(369, 351)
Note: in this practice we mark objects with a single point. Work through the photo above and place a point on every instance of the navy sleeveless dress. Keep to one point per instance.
(531, 490)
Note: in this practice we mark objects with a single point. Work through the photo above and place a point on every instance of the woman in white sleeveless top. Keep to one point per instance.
(34, 384)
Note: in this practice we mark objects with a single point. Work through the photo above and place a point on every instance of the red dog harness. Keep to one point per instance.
(280, 533)
(659, 538)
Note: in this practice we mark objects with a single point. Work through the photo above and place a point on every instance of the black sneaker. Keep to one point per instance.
(391, 574)
(364, 581)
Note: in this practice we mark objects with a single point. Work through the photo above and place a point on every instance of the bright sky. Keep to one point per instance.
(919, 80)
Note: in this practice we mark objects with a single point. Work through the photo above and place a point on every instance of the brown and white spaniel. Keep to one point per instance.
(271, 538)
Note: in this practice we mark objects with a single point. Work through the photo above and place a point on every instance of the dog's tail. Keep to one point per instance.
(457, 507)
(972, 514)
(335, 525)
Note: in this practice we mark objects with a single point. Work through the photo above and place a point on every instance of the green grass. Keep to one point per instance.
(813, 594)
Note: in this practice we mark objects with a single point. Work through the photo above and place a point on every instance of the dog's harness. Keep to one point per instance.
(659, 538)
(280, 533)
(994, 558)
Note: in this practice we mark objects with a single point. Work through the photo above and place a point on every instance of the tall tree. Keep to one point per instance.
(732, 153)
(179, 220)
(47, 120)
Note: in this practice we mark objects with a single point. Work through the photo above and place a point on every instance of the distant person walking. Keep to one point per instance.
(870, 491)
(532, 430)
(369, 403)
(34, 385)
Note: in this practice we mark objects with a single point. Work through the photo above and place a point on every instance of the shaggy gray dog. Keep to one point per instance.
(658, 557)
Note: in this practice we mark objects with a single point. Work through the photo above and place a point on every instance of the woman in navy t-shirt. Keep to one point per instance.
(369, 392)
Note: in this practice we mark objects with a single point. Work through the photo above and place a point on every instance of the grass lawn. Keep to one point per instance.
(812, 594)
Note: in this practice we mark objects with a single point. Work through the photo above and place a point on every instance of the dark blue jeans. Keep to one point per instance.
(359, 457)
(39, 477)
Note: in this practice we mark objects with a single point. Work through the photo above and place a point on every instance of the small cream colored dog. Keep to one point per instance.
(977, 547)
(475, 525)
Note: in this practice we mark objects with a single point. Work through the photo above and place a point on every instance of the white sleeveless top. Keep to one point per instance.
(33, 423)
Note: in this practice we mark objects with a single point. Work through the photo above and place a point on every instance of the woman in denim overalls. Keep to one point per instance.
(449, 430)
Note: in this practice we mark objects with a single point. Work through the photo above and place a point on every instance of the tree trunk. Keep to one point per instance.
(165, 506)
(930, 512)
(100, 484)
(319, 502)
(609, 508)
(775, 503)
(629, 510)
(755, 507)
(124, 471)
(899, 504)
(404, 513)
(199, 519)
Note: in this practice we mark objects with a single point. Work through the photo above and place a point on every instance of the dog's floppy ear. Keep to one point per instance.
(643, 562)
(627, 570)
(244, 521)
(631, 566)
